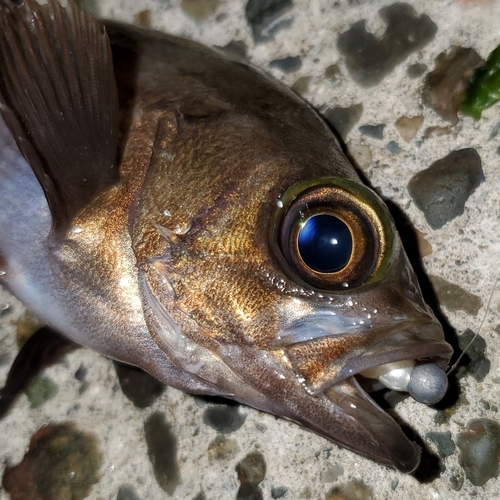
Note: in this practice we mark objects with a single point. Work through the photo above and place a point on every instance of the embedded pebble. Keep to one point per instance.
(442, 190)
(251, 472)
(26, 326)
(137, 385)
(408, 127)
(301, 85)
(343, 119)
(61, 460)
(369, 59)
(278, 491)
(222, 448)
(445, 86)
(40, 390)
(5, 359)
(200, 496)
(81, 373)
(162, 452)
(494, 131)
(424, 247)
(456, 482)
(224, 418)
(333, 73)
(143, 19)
(375, 131)
(416, 70)
(127, 492)
(331, 474)
(480, 450)
(393, 147)
(237, 47)
(361, 154)
(436, 132)
(265, 17)
(288, 64)
(261, 427)
(200, 10)
(455, 298)
(355, 490)
(475, 361)
(443, 441)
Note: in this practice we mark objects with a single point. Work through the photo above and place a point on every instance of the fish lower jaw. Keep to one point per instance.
(426, 383)
(381, 436)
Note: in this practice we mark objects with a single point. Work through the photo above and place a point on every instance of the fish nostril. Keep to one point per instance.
(410, 291)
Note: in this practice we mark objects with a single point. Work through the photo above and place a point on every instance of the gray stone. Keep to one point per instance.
(442, 190)
(375, 131)
(416, 70)
(343, 119)
(251, 472)
(140, 387)
(455, 298)
(287, 64)
(393, 147)
(162, 452)
(278, 491)
(443, 442)
(475, 361)
(479, 450)
(126, 492)
(223, 418)
(263, 16)
(369, 59)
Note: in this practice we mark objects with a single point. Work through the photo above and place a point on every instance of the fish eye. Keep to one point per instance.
(332, 234)
(325, 243)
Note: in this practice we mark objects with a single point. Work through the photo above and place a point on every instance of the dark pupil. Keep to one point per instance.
(325, 243)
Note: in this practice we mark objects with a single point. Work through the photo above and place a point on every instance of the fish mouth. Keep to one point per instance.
(367, 429)
(399, 367)
(325, 360)
(376, 434)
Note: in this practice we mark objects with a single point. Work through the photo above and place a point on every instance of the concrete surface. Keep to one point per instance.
(464, 252)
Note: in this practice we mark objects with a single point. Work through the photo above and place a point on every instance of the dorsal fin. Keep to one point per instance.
(58, 97)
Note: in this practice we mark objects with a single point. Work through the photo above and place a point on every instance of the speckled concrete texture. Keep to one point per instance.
(367, 66)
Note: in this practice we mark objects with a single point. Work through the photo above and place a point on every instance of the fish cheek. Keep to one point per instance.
(228, 298)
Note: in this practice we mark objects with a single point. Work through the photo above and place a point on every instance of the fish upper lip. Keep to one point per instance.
(437, 351)
(407, 341)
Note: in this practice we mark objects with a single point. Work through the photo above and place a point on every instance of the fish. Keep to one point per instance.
(173, 207)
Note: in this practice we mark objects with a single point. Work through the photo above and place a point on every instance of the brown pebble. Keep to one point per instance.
(408, 127)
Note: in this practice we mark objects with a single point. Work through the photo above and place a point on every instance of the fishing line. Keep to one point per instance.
(450, 370)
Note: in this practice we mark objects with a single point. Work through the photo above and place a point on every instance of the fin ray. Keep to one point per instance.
(56, 77)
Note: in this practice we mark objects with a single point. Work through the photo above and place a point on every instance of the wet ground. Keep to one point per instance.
(389, 77)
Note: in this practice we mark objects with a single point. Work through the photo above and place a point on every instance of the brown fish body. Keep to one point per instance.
(188, 265)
